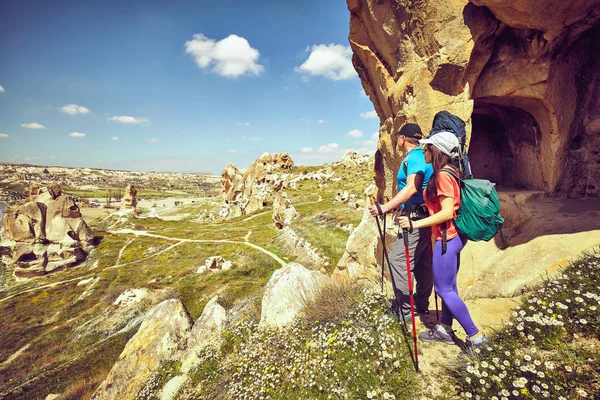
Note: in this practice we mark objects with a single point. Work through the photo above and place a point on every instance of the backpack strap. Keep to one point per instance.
(445, 227)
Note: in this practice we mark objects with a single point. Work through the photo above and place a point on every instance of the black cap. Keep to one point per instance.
(410, 130)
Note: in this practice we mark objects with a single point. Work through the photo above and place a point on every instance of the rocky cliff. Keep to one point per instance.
(525, 75)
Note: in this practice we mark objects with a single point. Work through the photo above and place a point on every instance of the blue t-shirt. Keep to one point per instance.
(414, 163)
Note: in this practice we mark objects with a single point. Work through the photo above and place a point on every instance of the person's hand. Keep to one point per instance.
(403, 222)
(373, 210)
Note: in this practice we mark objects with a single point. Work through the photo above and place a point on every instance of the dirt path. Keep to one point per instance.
(144, 233)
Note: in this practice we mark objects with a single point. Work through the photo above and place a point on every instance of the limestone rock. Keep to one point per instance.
(342, 196)
(129, 199)
(209, 326)
(130, 296)
(283, 211)
(214, 264)
(522, 74)
(161, 337)
(252, 190)
(46, 233)
(287, 292)
(363, 248)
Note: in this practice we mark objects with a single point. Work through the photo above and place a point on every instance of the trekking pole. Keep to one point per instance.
(437, 310)
(410, 292)
(382, 237)
(386, 258)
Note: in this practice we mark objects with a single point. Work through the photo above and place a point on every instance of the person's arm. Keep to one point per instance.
(444, 215)
(413, 182)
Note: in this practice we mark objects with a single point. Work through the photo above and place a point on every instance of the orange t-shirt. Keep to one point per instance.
(447, 186)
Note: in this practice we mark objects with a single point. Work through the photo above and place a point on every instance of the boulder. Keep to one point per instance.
(209, 325)
(161, 337)
(286, 293)
(214, 264)
(283, 211)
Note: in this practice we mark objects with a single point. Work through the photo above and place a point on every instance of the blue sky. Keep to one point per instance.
(178, 86)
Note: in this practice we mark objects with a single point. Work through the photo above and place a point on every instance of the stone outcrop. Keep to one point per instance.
(129, 199)
(207, 329)
(363, 247)
(286, 293)
(353, 159)
(214, 264)
(46, 233)
(161, 337)
(283, 211)
(250, 191)
(524, 75)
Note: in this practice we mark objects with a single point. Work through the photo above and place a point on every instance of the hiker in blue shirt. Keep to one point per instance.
(413, 175)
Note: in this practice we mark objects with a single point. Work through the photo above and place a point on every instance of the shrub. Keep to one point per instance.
(549, 349)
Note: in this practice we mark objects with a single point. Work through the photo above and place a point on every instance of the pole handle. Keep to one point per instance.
(405, 236)
(372, 198)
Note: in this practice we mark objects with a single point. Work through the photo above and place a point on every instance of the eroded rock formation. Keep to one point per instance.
(46, 233)
(129, 199)
(288, 290)
(283, 211)
(250, 191)
(523, 74)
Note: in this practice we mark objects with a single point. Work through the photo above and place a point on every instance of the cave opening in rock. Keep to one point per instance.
(504, 144)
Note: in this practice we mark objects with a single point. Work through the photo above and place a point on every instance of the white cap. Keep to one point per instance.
(446, 142)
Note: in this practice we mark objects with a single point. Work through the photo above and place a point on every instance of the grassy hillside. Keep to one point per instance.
(61, 337)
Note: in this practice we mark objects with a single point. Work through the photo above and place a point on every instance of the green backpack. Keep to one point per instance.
(478, 217)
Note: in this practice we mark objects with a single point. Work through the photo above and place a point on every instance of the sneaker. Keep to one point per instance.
(474, 345)
(437, 334)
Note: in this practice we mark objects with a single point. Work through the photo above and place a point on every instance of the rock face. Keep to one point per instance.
(214, 264)
(283, 211)
(129, 200)
(525, 75)
(250, 191)
(209, 326)
(287, 292)
(162, 336)
(46, 233)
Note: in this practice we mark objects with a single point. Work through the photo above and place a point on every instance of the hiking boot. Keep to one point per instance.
(437, 334)
(474, 345)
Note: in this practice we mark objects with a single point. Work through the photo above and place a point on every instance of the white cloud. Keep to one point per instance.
(2, 89)
(52, 157)
(124, 119)
(307, 150)
(242, 123)
(33, 125)
(253, 139)
(230, 57)
(77, 135)
(153, 140)
(322, 121)
(234, 151)
(4, 136)
(74, 109)
(332, 61)
(355, 133)
(114, 138)
(369, 114)
(328, 148)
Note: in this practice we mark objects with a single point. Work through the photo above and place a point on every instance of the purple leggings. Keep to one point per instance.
(445, 269)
